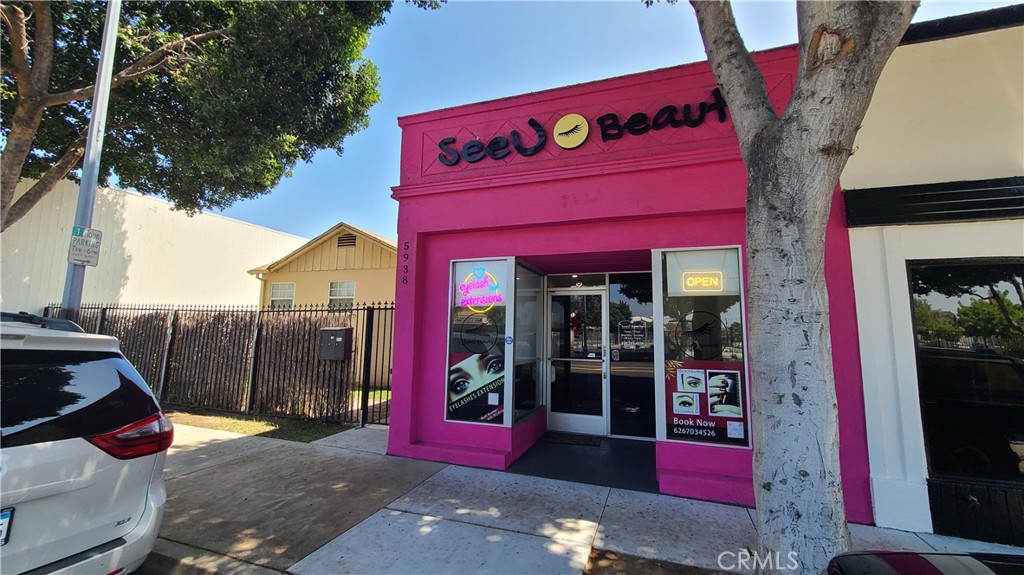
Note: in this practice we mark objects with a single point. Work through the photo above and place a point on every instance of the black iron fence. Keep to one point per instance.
(256, 361)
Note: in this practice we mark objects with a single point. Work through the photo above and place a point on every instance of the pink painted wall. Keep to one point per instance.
(672, 188)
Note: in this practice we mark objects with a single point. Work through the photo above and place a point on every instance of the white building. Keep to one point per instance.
(936, 180)
(150, 253)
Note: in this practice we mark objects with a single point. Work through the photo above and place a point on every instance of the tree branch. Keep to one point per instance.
(42, 47)
(976, 294)
(72, 155)
(144, 65)
(1003, 310)
(1017, 287)
(734, 69)
(14, 19)
(142, 72)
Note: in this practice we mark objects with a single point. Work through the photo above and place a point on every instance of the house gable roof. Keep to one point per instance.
(313, 243)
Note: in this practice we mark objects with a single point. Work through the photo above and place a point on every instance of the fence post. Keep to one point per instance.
(254, 353)
(166, 359)
(101, 320)
(367, 364)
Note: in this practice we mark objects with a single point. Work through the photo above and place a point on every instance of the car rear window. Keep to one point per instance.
(54, 395)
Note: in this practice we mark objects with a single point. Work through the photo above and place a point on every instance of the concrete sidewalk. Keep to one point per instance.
(239, 504)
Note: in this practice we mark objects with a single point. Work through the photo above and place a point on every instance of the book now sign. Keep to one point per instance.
(85, 246)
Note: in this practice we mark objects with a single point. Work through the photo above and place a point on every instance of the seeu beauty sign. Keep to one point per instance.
(570, 131)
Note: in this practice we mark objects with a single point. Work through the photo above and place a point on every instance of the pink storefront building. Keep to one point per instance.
(571, 262)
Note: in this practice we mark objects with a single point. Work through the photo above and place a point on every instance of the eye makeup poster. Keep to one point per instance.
(707, 402)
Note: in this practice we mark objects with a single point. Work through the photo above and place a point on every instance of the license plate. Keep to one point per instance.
(5, 524)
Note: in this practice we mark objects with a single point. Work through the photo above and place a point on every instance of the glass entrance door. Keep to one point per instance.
(578, 328)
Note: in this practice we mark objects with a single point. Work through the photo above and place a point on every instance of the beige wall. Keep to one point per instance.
(311, 288)
(369, 263)
(365, 255)
(150, 253)
(948, 110)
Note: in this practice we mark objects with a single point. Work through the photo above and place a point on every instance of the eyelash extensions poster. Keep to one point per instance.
(476, 363)
(707, 402)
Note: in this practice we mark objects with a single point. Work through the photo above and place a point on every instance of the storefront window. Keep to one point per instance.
(702, 331)
(476, 346)
(631, 321)
(969, 332)
(526, 393)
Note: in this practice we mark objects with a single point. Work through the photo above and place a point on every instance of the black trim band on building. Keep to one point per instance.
(962, 25)
(935, 203)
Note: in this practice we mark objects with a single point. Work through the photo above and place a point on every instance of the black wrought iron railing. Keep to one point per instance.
(258, 361)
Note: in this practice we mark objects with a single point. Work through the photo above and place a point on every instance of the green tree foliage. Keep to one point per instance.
(935, 323)
(620, 313)
(985, 317)
(212, 101)
(984, 284)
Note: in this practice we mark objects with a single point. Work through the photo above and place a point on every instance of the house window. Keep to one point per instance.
(282, 295)
(342, 294)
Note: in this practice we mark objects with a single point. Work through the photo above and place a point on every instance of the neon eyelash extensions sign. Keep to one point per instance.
(480, 291)
(571, 130)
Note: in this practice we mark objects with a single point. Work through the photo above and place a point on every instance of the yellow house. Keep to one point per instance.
(342, 267)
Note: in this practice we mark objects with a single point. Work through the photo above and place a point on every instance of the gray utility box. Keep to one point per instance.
(336, 343)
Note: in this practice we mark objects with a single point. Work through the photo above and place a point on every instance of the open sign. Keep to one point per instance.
(703, 282)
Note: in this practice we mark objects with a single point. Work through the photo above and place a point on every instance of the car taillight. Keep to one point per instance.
(146, 437)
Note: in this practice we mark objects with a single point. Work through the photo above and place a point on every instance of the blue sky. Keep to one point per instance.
(482, 50)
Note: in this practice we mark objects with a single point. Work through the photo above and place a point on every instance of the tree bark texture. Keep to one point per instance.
(24, 125)
(69, 159)
(793, 165)
(31, 70)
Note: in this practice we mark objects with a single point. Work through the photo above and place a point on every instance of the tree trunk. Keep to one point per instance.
(797, 480)
(793, 164)
(24, 125)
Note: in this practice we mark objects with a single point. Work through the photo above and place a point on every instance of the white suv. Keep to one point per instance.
(83, 448)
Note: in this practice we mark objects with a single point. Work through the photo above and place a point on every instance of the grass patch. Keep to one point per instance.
(302, 430)
(376, 396)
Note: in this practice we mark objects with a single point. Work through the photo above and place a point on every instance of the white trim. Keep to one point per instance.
(351, 298)
(508, 415)
(892, 410)
(658, 295)
(291, 300)
(606, 361)
(573, 422)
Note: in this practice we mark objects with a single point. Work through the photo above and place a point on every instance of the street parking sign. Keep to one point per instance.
(85, 246)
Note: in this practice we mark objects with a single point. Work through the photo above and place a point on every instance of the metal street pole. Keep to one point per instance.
(75, 278)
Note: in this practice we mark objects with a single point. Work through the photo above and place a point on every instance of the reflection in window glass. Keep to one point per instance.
(969, 331)
(576, 327)
(526, 394)
(631, 335)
